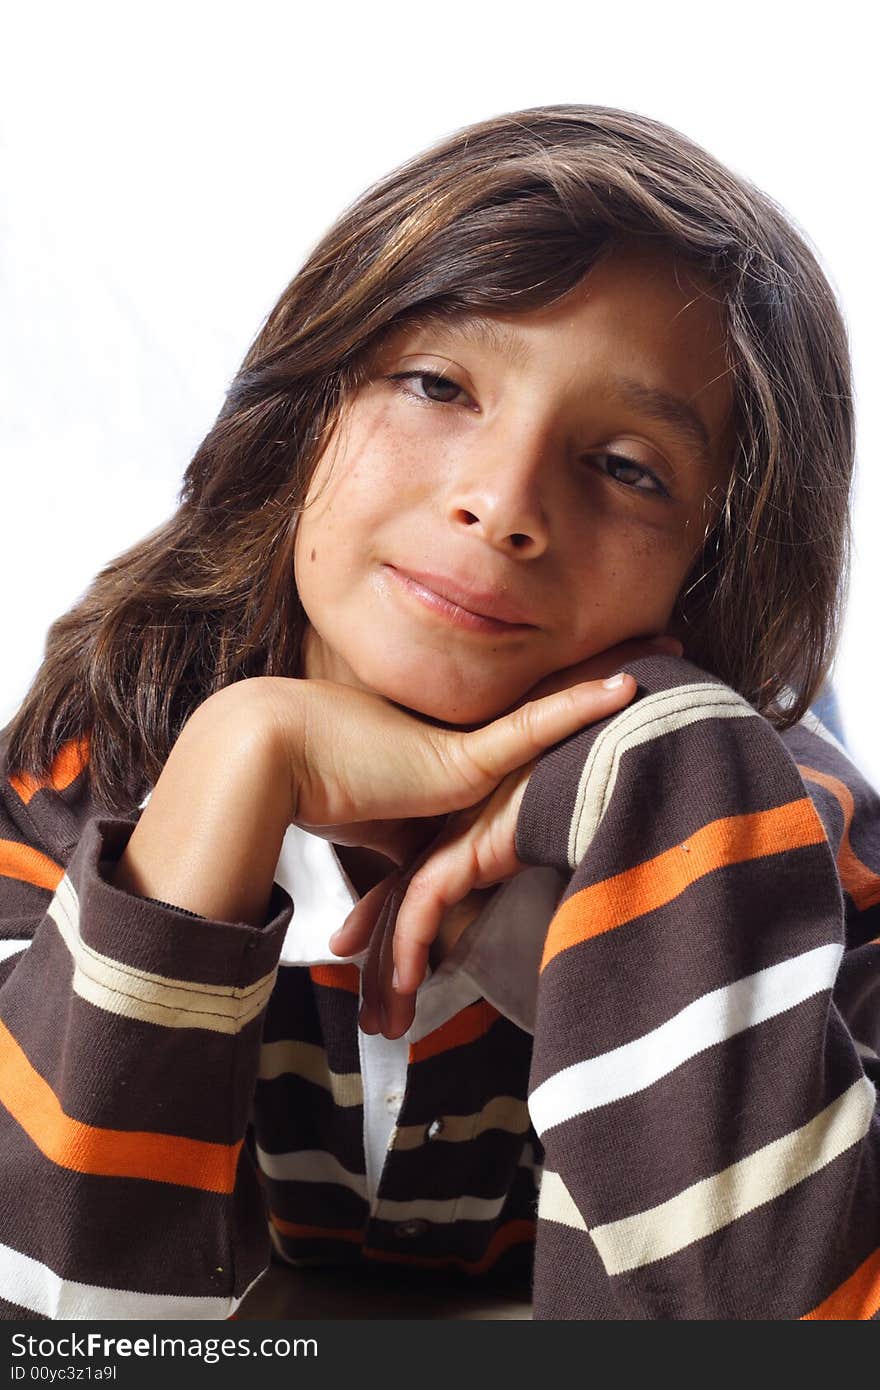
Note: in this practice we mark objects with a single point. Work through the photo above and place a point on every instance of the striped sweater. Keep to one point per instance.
(692, 1133)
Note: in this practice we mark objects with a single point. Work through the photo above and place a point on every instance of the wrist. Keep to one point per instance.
(209, 838)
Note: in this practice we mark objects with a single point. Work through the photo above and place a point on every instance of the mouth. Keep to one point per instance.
(484, 611)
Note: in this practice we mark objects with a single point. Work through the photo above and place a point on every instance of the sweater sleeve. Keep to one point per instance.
(129, 1049)
(705, 1062)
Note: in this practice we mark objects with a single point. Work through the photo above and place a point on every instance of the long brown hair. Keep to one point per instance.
(505, 215)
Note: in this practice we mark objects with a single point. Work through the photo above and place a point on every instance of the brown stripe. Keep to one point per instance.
(621, 985)
(690, 1124)
(744, 1271)
(293, 1113)
(154, 1078)
(511, 1233)
(108, 1152)
(611, 903)
(123, 1228)
(300, 1231)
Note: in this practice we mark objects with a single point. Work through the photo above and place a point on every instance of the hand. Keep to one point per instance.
(355, 759)
(445, 885)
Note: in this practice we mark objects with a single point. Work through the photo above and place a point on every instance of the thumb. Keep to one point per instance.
(489, 753)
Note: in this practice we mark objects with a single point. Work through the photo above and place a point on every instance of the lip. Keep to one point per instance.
(481, 610)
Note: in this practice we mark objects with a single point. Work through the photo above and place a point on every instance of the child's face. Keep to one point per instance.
(493, 491)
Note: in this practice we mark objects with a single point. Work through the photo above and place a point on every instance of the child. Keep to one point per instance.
(559, 397)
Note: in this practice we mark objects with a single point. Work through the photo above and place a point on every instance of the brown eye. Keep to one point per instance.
(631, 474)
(439, 389)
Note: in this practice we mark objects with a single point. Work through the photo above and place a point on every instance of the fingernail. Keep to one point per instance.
(395, 980)
(612, 682)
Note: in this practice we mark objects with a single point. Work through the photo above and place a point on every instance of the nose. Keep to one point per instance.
(498, 496)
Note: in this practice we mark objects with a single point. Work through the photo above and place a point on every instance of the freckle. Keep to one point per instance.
(313, 554)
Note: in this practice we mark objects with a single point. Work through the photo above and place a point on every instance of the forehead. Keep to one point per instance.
(643, 326)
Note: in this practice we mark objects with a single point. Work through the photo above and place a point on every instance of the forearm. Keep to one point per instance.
(209, 838)
(130, 1040)
(705, 1112)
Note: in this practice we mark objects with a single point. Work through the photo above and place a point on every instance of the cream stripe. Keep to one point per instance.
(717, 1201)
(442, 1212)
(131, 993)
(651, 717)
(311, 1165)
(507, 1113)
(555, 1203)
(12, 948)
(34, 1286)
(288, 1058)
(708, 1021)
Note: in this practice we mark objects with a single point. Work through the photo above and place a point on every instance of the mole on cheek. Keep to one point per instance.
(313, 554)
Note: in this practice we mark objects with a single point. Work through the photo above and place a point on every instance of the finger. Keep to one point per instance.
(507, 743)
(606, 662)
(396, 1011)
(357, 929)
(369, 1017)
(384, 1008)
(446, 879)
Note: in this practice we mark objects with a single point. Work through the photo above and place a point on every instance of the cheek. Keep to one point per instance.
(628, 585)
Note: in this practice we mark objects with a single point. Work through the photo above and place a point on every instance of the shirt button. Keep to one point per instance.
(407, 1230)
(434, 1128)
(393, 1101)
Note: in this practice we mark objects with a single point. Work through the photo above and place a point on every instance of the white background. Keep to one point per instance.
(165, 168)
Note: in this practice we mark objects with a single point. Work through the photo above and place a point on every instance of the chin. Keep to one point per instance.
(440, 706)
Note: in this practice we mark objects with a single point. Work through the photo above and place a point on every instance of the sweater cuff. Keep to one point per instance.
(146, 935)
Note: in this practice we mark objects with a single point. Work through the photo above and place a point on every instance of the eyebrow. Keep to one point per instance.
(678, 414)
(652, 402)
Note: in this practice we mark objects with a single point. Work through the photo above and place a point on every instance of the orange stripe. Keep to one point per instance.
(856, 1300)
(464, 1027)
(68, 764)
(862, 884)
(300, 1232)
(347, 977)
(512, 1233)
(29, 865)
(114, 1153)
(730, 840)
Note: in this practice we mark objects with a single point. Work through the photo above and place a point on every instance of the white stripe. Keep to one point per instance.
(286, 1057)
(310, 1165)
(123, 989)
(444, 1211)
(651, 717)
(709, 1020)
(34, 1286)
(11, 948)
(865, 1051)
(717, 1201)
(555, 1203)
